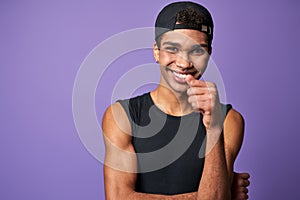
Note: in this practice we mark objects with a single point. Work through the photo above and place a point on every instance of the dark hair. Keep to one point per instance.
(190, 17)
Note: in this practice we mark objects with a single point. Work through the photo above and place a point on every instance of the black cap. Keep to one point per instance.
(167, 18)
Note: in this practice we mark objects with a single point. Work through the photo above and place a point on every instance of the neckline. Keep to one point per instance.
(169, 115)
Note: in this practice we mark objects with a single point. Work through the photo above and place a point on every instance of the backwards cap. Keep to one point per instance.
(167, 18)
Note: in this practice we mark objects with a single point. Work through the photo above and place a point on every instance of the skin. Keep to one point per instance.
(185, 52)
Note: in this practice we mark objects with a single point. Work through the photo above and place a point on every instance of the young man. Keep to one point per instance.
(177, 141)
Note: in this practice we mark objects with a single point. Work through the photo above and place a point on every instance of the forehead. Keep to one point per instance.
(185, 37)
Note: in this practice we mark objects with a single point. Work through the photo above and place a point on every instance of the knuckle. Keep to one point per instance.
(212, 85)
(198, 98)
(243, 196)
(193, 105)
(240, 182)
(188, 91)
(247, 182)
(190, 100)
(191, 91)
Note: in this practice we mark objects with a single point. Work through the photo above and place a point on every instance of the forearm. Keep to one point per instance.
(215, 179)
(143, 196)
(132, 195)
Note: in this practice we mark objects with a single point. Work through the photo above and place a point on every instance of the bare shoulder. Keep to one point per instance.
(234, 120)
(118, 141)
(115, 124)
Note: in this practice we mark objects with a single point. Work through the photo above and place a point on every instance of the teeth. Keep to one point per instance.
(183, 76)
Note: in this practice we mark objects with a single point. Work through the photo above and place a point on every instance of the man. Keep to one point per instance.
(177, 141)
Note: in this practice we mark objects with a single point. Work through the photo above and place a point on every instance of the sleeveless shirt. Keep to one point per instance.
(170, 149)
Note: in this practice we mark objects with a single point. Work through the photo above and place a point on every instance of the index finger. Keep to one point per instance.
(192, 82)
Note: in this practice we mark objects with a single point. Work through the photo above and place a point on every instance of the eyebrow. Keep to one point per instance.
(172, 43)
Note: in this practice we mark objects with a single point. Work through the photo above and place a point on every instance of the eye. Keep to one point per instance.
(197, 51)
(171, 49)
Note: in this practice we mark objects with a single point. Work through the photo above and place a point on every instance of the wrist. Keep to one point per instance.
(213, 137)
(216, 130)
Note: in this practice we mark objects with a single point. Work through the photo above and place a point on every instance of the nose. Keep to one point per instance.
(182, 61)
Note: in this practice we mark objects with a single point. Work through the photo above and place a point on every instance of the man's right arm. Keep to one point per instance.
(120, 165)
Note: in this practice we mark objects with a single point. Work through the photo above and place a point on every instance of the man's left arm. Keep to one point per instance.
(233, 138)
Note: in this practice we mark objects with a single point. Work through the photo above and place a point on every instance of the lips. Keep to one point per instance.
(182, 76)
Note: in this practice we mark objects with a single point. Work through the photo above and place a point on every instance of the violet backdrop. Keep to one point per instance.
(43, 44)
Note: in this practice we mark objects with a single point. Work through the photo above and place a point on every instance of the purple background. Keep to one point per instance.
(43, 43)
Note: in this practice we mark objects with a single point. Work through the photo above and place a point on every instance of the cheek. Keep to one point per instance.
(201, 63)
(165, 58)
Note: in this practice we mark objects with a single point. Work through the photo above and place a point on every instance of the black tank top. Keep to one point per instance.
(170, 149)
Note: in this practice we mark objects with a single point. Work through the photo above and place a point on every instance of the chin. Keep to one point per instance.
(179, 88)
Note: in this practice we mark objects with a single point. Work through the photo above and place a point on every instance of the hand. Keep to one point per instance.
(204, 98)
(239, 190)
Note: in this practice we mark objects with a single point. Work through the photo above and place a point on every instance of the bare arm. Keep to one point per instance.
(233, 138)
(120, 160)
(233, 135)
(215, 182)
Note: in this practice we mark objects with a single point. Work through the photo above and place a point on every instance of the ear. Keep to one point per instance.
(156, 52)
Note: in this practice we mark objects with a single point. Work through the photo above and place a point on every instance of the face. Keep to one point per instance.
(181, 52)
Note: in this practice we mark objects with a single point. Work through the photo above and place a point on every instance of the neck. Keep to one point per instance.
(172, 103)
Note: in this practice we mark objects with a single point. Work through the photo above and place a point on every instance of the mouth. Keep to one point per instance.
(182, 76)
(179, 75)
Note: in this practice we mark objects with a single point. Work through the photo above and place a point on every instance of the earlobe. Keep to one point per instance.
(156, 53)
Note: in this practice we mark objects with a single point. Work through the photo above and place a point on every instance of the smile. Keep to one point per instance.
(182, 76)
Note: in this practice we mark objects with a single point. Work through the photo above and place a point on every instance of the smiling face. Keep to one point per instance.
(181, 52)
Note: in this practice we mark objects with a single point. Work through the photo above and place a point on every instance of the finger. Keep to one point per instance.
(242, 189)
(240, 182)
(200, 103)
(191, 81)
(200, 98)
(189, 78)
(201, 90)
(244, 175)
(197, 91)
(242, 196)
(200, 106)
(246, 183)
